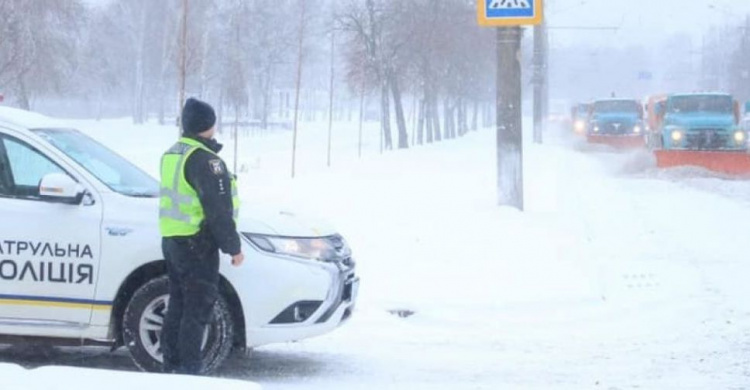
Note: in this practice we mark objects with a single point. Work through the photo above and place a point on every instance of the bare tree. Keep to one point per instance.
(375, 41)
(38, 45)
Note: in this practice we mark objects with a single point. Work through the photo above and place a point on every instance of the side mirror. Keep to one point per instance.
(747, 108)
(60, 188)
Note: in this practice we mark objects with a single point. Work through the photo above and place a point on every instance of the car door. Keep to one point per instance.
(49, 252)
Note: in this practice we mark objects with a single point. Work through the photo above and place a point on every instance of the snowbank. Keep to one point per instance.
(617, 276)
(15, 377)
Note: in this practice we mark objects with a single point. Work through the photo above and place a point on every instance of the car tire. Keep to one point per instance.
(141, 328)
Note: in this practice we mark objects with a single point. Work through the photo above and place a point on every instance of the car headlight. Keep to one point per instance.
(328, 249)
(740, 137)
(580, 126)
(677, 135)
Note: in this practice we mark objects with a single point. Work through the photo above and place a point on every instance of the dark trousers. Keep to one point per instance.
(193, 268)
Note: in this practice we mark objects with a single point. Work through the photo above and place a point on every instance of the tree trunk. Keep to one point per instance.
(414, 114)
(460, 128)
(420, 122)
(385, 115)
(140, 70)
(403, 136)
(22, 94)
(267, 98)
(463, 126)
(361, 114)
(474, 124)
(330, 102)
(428, 117)
(204, 64)
(435, 117)
(220, 112)
(449, 126)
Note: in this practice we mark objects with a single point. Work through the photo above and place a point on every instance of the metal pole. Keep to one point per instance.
(509, 124)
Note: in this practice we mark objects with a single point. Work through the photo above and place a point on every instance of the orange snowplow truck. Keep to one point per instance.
(702, 130)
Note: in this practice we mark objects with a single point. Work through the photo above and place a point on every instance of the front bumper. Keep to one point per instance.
(303, 299)
(618, 141)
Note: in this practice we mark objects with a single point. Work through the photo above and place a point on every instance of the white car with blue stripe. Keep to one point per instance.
(81, 260)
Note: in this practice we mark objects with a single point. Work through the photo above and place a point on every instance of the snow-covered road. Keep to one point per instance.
(618, 276)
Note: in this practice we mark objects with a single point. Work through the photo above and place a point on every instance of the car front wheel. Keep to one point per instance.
(144, 318)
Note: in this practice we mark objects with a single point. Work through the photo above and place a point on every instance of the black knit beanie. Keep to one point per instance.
(197, 117)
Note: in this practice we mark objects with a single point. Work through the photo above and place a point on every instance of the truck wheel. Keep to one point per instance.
(143, 319)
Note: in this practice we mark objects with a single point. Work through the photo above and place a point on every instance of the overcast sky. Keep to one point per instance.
(639, 21)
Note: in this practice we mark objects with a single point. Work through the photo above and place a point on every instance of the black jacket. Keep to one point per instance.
(211, 179)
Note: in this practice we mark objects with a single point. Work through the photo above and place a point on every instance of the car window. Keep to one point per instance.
(25, 169)
(117, 173)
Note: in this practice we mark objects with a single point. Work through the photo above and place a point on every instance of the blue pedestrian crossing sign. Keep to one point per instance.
(502, 13)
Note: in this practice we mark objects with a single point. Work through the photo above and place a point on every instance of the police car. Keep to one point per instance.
(81, 260)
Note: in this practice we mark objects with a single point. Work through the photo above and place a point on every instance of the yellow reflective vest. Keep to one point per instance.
(180, 210)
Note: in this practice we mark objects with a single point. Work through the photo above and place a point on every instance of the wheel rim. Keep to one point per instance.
(151, 323)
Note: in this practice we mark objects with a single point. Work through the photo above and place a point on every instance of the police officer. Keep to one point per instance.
(197, 219)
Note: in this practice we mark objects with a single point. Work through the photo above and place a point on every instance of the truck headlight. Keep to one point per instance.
(677, 135)
(328, 249)
(740, 137)
(580, 126)
(596, 128)
(637, 129)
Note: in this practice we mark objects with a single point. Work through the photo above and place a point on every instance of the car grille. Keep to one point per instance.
(615, 128)
(707, 139)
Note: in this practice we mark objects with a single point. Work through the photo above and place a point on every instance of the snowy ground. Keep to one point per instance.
(618, 276)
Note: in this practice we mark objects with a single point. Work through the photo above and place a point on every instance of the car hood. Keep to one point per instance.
(260, 220)
(627, 118)
(701, 120)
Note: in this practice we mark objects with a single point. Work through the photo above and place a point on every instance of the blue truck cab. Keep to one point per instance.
(616, 117)
(702, 121)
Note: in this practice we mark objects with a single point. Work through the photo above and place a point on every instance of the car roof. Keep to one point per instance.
(701, 94)
(27, 119)
(616, 100)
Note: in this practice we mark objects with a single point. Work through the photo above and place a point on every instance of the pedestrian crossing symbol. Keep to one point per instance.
(496, 13)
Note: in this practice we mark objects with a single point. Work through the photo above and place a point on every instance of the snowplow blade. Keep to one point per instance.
(619, 142)
(732, 163)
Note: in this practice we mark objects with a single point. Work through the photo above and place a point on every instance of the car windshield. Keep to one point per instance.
(618, 106)
(110, 168)
(698, 103)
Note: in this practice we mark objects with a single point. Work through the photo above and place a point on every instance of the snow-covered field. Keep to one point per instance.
(617, 276)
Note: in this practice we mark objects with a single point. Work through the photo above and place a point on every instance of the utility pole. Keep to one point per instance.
(299, 82)
(509, 123)
(508, 16)
(183, 65)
